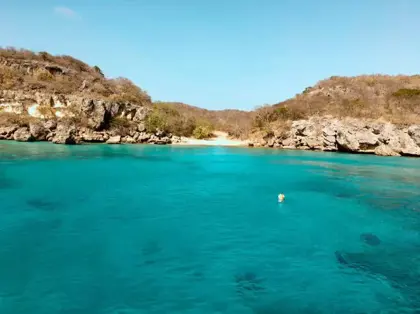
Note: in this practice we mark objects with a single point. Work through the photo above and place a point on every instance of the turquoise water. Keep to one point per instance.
(147, 229)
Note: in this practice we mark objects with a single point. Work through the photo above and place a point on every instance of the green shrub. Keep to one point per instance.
(202, 132)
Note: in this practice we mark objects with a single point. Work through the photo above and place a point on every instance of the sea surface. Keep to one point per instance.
(149, 229)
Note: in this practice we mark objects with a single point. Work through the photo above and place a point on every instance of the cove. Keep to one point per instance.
(149, 229)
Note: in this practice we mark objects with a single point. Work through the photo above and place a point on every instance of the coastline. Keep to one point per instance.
(220, 139)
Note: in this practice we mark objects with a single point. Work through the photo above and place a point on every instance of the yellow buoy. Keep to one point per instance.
(281, 198)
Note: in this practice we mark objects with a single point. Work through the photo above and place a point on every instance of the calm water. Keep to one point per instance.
(143, 229)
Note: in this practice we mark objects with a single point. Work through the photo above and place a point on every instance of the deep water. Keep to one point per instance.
(147, 229)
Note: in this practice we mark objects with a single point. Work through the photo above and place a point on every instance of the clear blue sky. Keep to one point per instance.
(222, 53)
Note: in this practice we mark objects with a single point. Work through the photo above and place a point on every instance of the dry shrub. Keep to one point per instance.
(26, 70)
(43, 75)
(47, 111)
(8, 118)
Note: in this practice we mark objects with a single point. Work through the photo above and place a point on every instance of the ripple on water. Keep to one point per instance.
(139, 229)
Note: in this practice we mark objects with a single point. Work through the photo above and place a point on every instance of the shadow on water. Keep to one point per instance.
(6, 183)
(248, 282)
(398, 266)
(43, 204)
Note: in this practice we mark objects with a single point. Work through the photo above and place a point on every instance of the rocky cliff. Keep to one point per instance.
(73, 119)
(65, 101)
(346, 135)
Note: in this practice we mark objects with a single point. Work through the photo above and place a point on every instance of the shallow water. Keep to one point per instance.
(146, 229)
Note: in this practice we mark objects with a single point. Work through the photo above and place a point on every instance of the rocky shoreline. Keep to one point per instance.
(67, 134)
(346, 135)
(74, 119)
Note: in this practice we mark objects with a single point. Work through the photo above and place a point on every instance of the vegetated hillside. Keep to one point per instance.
(25, 70)
(183, 118)
(391, 98)
(31, 73)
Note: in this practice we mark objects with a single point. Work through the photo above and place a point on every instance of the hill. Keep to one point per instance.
(369, 114)
(393, 98)
(365, 114)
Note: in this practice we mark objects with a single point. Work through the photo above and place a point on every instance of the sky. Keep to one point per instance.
(221, 54)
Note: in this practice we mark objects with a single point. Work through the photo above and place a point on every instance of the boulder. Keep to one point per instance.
(143, 137)
(289, 143)
(368, 141)
(65, 134)
(347, 141)
(128, 140)
(385, 150)
(402, 143)
(176, 139)
(90, 136)
(23, 135)
(6, 132)
(114, 139)
(38, 131)
(163, 140)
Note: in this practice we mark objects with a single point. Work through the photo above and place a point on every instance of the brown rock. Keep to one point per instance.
(50, 125)
(114, 139)
(143, 137)
(128, 140)
(38, 131)
(6, 132)
(65, 134)
(414, 132)
(384, 150)
(92, 136)
(23, 135)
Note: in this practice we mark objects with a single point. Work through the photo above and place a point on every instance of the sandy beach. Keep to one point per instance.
(220, 139)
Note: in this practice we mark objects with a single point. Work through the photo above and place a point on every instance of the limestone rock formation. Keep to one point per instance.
(114, 139)
(38, 131)
(348, 135)
(22, 135)
(6, 132)
(384, 150)
(65, 134)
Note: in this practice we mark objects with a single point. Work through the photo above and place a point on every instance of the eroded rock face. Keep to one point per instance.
(38, 131)
(89, 136)
(414, 133)
(114, 139)
(6, 132)
(91, 119)
(23, 135)
(384, 150)
(348, 135)
(65, 134)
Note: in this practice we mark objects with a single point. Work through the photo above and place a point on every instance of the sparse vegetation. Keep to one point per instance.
(167, 118)
(236, 123)
(26, 70)
(392, 98)
(8, 118)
